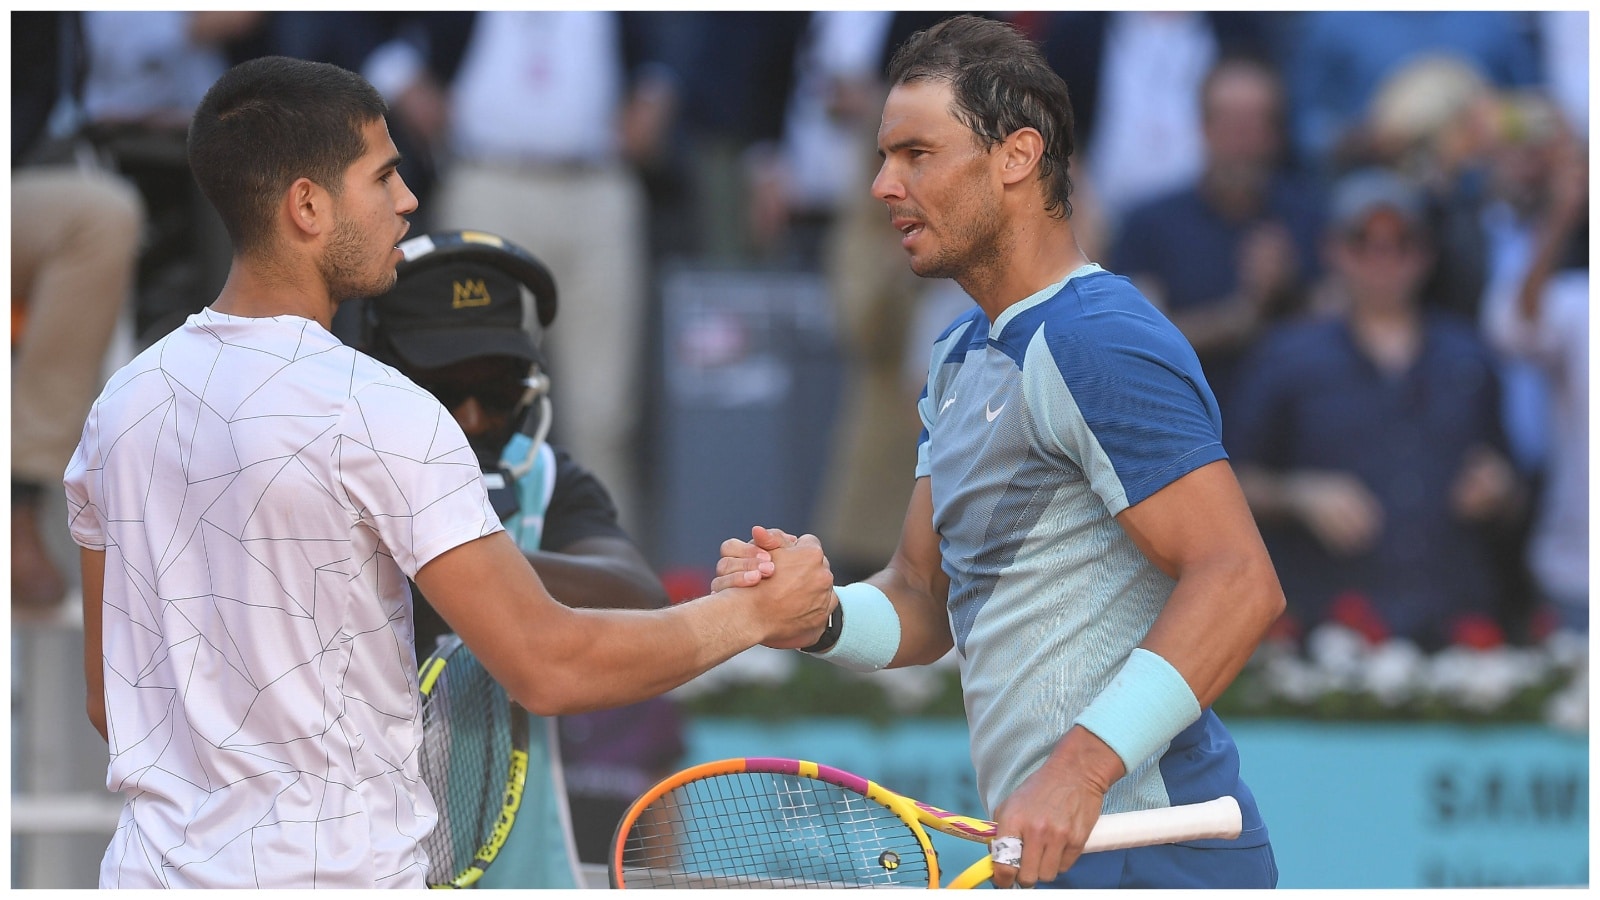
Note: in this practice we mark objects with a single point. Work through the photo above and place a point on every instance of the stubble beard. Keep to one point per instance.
(344, 263)
(974, 248)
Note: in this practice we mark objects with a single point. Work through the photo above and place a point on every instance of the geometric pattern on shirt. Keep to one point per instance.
(262, 493)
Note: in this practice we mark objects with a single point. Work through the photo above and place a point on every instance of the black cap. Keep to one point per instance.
(458, 295)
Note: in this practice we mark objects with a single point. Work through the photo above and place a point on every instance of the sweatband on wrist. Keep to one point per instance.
(1143, 708)
(870, 636)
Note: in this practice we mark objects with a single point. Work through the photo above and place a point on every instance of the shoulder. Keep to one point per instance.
(1454, 329)
(1298, 345)
(1104, 339)
(1302, 334)
(1459, 338)
(1295, 196)
(1102, 315)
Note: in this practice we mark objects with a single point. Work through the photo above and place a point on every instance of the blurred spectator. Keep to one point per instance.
(74, 241)
(830, 122)
(546, 119)
(737, 72)
(1370, 445)
(887, 318)
(1544, 317)
(1433, 119)
(1530, 135)
(1339, 58)
(1564, 57)
(1235, 250)
(146, 72)
(1133, 76)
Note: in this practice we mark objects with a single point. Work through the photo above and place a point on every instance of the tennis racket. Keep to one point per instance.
(786, 823)
(474, 759)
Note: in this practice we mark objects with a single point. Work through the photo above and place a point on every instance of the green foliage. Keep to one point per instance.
(817, 689)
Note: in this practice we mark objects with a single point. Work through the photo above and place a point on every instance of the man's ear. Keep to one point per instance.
(1020, 154)
(309, 207)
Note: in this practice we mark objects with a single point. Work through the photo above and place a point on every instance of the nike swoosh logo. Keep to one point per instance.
(992, 414)
(947, 404)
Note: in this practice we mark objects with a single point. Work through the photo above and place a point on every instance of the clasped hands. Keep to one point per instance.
(774, 558)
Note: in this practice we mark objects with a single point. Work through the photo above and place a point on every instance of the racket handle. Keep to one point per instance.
(1141, 828)
(1219, 818)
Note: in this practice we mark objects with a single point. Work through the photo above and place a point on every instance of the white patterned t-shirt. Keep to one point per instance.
(262, 492)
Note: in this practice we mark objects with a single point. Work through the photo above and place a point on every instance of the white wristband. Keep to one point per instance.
(871, 633)
(1143, 708)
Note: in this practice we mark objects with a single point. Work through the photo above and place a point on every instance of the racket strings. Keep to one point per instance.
(465, 754)
(759, 830)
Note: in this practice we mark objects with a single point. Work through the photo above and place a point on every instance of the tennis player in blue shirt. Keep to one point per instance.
(1076, 532)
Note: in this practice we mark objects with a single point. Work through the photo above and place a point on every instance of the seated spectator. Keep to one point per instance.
(146, 71)
(1369, 443)
(465, 320)
(74, 243)
(1233, 251)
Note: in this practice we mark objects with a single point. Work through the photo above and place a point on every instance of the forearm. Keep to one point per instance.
(92, 566)
(924, 625)
(1551, 244)
(554, 660)
(614, 657)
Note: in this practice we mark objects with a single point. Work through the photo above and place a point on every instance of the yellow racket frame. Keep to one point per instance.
(510, 801)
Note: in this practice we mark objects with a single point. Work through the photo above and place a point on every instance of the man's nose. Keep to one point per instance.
(885, 186)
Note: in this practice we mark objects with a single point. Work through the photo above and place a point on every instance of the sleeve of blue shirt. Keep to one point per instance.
(1136, 413)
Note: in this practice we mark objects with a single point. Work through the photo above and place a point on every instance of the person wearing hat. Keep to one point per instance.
(1370, 443)
(465, 321)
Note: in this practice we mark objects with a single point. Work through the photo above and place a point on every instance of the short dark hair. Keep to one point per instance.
(269, 121)
(1001, 83)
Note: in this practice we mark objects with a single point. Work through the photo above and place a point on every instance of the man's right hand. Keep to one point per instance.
(1338, 508)
(791, 581)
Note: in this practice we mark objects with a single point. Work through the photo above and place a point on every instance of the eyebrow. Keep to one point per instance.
(903, 144)
(392, 163)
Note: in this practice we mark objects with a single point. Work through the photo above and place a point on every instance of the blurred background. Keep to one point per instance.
(741, 342)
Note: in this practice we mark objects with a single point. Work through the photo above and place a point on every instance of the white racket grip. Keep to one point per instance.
(1219, 818)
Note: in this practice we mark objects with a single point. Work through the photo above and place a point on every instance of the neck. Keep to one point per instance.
(1237, 192)
(1390, 334)
(259, 290)
(1039, 253)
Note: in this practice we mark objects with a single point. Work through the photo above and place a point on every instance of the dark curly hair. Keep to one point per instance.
(1001, 83)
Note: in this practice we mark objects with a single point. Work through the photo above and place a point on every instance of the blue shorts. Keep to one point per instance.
(1173, 866)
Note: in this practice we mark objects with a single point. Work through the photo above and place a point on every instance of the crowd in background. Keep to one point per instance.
(1372, 226)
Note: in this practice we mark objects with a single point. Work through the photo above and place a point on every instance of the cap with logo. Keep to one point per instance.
(458, 295)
